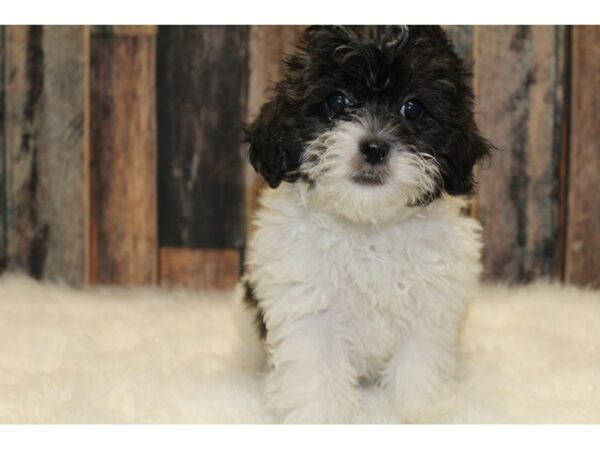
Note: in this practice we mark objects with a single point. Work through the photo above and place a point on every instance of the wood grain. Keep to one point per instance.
(518, 82)
(267, 45)
(199, 268)
(125, 30)
(583, 221)
(202, 94)
(2, 172)
(124, 243)
(45, 151)
(202, 77)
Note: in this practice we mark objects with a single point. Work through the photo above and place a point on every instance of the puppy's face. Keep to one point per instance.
(375, 122)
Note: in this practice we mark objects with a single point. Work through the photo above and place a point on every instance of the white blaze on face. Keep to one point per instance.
(330, 161)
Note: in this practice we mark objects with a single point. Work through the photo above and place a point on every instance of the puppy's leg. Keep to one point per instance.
(312, 380)
(421, 375)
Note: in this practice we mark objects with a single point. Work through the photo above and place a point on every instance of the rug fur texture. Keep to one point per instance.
(145, 355)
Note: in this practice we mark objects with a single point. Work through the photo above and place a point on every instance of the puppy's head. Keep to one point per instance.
(375, 121)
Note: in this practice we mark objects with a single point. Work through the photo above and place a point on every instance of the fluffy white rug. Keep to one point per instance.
(529, 354)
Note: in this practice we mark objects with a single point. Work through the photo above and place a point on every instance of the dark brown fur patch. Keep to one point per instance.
(252, 303)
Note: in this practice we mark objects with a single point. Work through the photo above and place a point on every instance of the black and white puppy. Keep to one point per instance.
(361, 264)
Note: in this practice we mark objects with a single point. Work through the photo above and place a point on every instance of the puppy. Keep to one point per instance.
(361, 264)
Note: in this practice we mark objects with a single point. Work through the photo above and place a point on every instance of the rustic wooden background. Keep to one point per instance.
(121, 162)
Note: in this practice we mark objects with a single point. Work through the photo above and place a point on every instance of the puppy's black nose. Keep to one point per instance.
(374, 150)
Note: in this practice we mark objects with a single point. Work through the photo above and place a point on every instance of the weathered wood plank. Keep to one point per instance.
(199, 268)
(124, 243)
(202, 92)
(45, 151)
(267, 45)
(518, 82)
(2, 174)
(202, 76)
(125, 30)
(583, 221)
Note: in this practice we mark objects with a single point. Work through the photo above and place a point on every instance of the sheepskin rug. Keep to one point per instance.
(145, 355)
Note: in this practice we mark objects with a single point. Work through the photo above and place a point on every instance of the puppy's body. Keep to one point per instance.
(361, 265)
(349, 304)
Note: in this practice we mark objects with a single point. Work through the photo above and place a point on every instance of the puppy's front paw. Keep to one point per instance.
(307, 403)
(422, 402)
(322, 412)
(423, 389)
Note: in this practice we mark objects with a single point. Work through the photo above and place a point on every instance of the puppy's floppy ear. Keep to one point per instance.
(479, 147)
(470, 148)
(279, 134)
(266, 138)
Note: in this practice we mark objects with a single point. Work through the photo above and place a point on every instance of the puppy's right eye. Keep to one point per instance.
(336, 102)
(412, 110)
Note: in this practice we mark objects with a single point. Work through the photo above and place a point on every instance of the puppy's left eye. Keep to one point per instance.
(336, 102)
(412, 110)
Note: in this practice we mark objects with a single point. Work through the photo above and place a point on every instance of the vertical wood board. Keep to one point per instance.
(45, 151)
(583, 220)
(124, 244)
(202, 77)
(2, 155)
(518, 82)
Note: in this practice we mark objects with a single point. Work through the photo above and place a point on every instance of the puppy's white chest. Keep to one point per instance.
(364, 287)
(369, 295)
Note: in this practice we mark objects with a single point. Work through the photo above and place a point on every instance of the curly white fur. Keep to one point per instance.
(348, 303)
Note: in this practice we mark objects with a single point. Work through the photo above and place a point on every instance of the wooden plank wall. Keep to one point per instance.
(583, 223)
(202, 92)
(86, 113)
(2, 170)
(45, 151)
(124, 230)
(521, 111)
